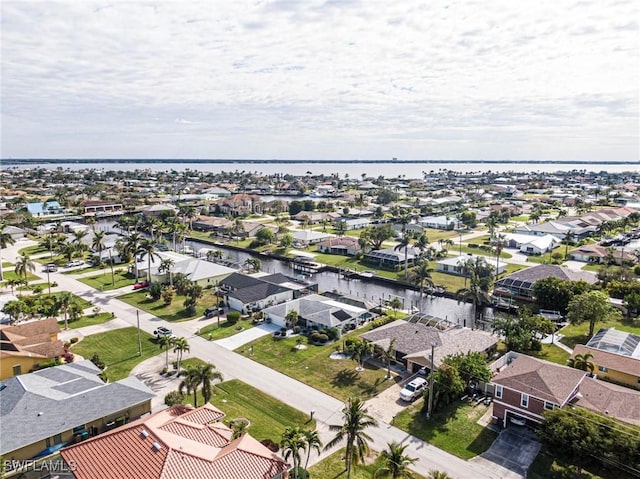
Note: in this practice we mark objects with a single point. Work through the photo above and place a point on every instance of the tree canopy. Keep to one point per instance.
(522, 333)
(592, 306)
(555, 294)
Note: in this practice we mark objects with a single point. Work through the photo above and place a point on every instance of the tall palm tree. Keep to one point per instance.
(148, 249)
(293, 440)
(253, 264)
(361, 349)
(97, 244)
(582, 361)
(355, 421)
(5, 240)
(568, 238)
(132, 249)
(206, 374)
(64, 301)
(396, 462)
(499, 242)
(180, 346)
(49, 243)
(480, 283)
(422, 243)
(165, 342)
(78, 237)
(189, 384)
(313, 443)
(24, 265)
(421, 275)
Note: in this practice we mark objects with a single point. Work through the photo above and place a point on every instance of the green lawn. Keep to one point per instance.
(34, 249)
(491, 257)
(269, 417)
(313, 366)
(453, 282)
(89, 320)
(226, 329)
(9, 275)
(83, 303)
(546, 258)
(553, 353)
(118, 349)
(332, 467)
(90, 269)
(453, 428)
(174, 312)
(578, 333)
(103, 281)
(436, 235)
(593, 267)
(6, 264)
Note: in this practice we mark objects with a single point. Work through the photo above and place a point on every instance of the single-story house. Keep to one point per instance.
(308, 237)
(200, 271)
(315, 217)
(248, 293)
(212, 223)
(531, 245)
(413, 340)
(390, 257)
(50, 408)
(616, 356)
(519, 285)
(455, 265)
(180, 441)
(439, 222)
(593, 253)
(320, 312)
(159, 210)
(15, 232)
(344, 245)
(353, 223)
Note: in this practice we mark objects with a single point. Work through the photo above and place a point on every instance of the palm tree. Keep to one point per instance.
(64, 301)
(386, 355)
(396, 463)
(203, 376)
(165, 342)
(132, 248)
(582, 361)
(422, 243)
(189, 384)
(293, 440)
(148, 249)
(5, 240)
(313, 442)
(480, 283)
(165, 267)
(24, 266)
(253, 264)
(421, 274)
(49, 242)
(568, 238)
(355, 421)
(98, 244)
(499, 242)
(361, 349)
(78, 236)
(239, 428)
(180, 346)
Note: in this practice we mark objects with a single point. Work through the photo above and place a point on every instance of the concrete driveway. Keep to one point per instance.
(511, 453)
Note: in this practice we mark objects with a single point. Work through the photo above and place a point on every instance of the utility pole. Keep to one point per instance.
(429, 411)
(139, 338)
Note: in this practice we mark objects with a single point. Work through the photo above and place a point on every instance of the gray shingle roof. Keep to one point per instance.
(533, 274)
(45, 403)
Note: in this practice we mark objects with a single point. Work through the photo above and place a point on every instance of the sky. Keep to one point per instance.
(309, 79)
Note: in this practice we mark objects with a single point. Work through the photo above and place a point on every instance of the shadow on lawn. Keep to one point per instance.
(345, 377)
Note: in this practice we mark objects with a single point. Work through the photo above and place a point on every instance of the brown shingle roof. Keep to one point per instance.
(33, 339)
(542, 379)
(610, 399)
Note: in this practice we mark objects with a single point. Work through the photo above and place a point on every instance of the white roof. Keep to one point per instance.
(459, 260)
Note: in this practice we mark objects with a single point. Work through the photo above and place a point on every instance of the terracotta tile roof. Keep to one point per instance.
(610, 399)
(541, 379)
(188, 446)
(618, 362)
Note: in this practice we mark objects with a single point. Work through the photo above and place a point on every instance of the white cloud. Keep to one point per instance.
(313, 79)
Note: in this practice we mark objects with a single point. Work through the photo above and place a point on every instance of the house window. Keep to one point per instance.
(17, 370)
(499, 391)
(602, 369)
(548, 406)
(52, 441)
(524, 400)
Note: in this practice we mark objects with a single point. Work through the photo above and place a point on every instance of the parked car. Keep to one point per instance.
(413, 390)
(74, 263)
(162, 331)
(212, 311)
(52, 268)
(141, 285)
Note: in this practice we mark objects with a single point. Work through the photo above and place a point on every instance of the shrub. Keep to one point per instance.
(636, 270)
(271, 445)
(73, 340)
(174, 397)
(68, 357)
(296, 329)
(333, 333)
(168, 294)
(233, 317)
(472, 245)
(319, 338)
(381, 321)
(155, 290)
(95, 359)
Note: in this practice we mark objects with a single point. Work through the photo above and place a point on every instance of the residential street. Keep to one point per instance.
(296, 394)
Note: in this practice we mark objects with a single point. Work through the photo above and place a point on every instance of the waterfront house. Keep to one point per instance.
(46, 208)
(180, 441)
(24, 346)
(100, 206)
(439, 222)
(456, 265)
(391, 258)
(412, 341)
(240, 204)
(353, 223)
(200, 271)
(48, 409)
(307, 237)
(519, 285)
(344, 245)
